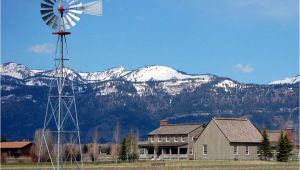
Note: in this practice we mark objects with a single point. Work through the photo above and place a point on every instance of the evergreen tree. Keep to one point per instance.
(85, 148)
(123, 151)
(284, 148)
(289, 146)
(265, 147)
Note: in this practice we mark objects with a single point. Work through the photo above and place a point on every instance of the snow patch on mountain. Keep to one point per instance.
(141, 88)
(176, 87)
(159, 73)
(227, 84)
(110, 74)
(15, 70)
(67, 72)
(106, 89)
(288, 80)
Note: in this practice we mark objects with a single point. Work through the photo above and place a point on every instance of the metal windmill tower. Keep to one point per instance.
(61, 121)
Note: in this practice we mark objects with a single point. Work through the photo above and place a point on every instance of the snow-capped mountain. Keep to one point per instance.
(111, 74)
(15, 70)
(169, 80)
(288, 80)
(145, 95)
(160, 73)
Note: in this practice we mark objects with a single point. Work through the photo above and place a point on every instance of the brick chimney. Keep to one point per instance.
(163, 122)
(289, 134)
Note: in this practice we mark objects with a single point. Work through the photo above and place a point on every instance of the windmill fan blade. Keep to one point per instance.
(53, 25)
(73, 16)
(66, 24)
(46, 17)
(70, 21)
(46, 11)
(46, 6)
(75, 11)
(50, 22)
(93, 8)
(72, 2)
(75, 6)
(56, 23)
(49, 2)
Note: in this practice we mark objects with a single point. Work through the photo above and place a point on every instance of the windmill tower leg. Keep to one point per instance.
(61, 120)
(61, 117)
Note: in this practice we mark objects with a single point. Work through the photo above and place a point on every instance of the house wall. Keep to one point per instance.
(191, 142)
(219, 148)
(242, 151)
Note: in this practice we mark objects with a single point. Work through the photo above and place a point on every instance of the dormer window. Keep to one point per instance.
(159, 139)
(182, 139)
(175, 139)
(152, 138)
(167, 139)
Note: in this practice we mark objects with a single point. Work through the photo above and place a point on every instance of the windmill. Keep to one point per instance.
(61, 121)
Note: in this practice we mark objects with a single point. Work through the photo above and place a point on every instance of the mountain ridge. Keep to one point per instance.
(21, 71)
(141, 104)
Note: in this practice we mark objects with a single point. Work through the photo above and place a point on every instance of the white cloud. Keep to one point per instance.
(42, 48)
(244, 68)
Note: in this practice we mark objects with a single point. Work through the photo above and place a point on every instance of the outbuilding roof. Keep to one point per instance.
(15, 145)
(174, 129)
(238, 130)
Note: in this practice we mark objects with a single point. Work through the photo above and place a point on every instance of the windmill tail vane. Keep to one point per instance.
(61, 120)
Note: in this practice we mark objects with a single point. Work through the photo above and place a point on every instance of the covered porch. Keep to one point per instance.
(163, 151)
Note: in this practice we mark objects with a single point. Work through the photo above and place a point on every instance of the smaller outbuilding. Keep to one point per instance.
(228, 139)
(15, 149)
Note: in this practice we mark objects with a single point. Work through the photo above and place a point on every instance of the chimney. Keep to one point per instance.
(289, 134)
(163, 122)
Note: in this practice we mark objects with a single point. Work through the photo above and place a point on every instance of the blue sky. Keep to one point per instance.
(251, 41)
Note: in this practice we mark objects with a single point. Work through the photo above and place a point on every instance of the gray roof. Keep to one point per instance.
(238, 130)
(174, 129)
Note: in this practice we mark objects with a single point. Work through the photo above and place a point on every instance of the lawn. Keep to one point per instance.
(175, 165)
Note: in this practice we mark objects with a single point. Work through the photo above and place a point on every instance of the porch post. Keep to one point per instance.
(178, 153)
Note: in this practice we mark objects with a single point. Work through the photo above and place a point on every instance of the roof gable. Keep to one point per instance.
(238, 130)
(16, 145)
(175, 129)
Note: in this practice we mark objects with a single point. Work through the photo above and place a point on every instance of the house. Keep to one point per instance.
(15, 149)
(274, 135)
(170, 141)
(228, 139)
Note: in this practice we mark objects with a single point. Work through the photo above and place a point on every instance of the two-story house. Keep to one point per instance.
(228, 139)
(171, 141)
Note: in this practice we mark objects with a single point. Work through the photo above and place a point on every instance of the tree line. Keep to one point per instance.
(44, 147)
(283, 149)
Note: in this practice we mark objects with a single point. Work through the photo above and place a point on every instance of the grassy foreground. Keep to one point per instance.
(175, 165)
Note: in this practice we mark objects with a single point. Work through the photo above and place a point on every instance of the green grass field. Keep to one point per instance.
(175, 165)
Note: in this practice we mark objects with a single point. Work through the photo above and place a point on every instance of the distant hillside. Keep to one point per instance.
(140, 98)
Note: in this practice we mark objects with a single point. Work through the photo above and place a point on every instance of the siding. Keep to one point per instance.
(219, 148)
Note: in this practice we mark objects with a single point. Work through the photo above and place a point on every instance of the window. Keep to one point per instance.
(182, 139)
(142, 151)
(247, 150)
(159, 139)
(152, 139)
(235, 150)
(175, 139)
(167, 139)
(258, 153)
(205, 149)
